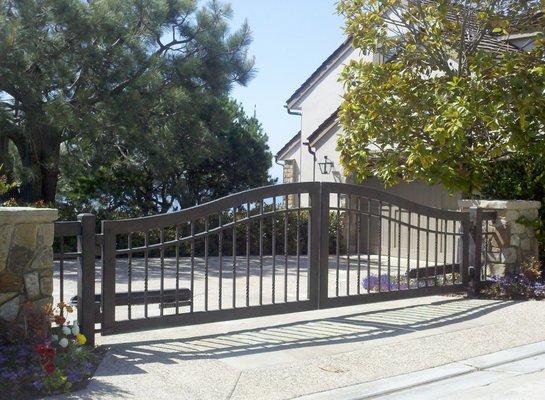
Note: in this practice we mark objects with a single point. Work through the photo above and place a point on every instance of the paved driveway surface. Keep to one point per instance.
(282, 357)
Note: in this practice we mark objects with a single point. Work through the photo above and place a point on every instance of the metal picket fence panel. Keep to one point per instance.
(270, 250)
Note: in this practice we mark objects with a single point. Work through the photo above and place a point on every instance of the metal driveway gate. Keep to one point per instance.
(279, 249)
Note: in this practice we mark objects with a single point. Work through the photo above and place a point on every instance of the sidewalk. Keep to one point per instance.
(509, 374)
(287, 356)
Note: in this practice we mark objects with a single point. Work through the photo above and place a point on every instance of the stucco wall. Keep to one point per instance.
(322, 100)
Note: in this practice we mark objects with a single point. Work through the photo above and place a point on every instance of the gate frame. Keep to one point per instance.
(112, 228)
(468, 235)
(318, 255)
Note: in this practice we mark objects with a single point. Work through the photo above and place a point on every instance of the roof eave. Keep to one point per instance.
(294, 141)
(292, 102)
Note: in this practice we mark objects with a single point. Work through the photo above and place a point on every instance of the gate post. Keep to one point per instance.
(476, 239)
(319, 246)
(108, 278)
(314, 250)
(324, 245)
(466, 242)
(86, 277)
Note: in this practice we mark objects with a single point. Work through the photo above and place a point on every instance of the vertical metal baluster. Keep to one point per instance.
(248, 254)
(427, 247)
(348, 208)
(273, 288)
(487, 233)
(177, 255)
(337, 244)
(454, 251)
(369, 204)
(286, 217)
(445, 249)
(261, 254)
(192, 275)
(129, 261)
(206, 248)
(162, 255)
(61, 273)
(220, 259)
(146, 272)
(409, 222)
(418, 251)
(389, 244)
(358, 242)
(399, 249)
(436, 280)
(298, 245)
(380, 246)
(234, 258)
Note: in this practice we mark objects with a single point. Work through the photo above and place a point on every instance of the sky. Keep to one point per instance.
(291, 38)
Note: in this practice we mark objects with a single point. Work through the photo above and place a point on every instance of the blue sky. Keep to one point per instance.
(291, 39)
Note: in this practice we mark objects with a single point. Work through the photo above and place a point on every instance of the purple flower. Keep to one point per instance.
(383, 283)
(10, 375)
(37, 385)
(74, 376)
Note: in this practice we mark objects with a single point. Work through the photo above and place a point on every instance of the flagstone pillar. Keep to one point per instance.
(511, 238)
(26, 260)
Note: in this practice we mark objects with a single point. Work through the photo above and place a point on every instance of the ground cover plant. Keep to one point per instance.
(525, 284)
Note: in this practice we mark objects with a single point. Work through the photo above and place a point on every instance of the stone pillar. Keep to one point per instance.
(289, 171)
(290, 176)
(512, 239)
(26, 259)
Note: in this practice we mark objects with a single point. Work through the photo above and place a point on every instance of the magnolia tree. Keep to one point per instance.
(450, 96)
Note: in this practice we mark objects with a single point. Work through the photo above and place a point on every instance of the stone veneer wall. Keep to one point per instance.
(26, 259)
(290, 176)
(509, 243)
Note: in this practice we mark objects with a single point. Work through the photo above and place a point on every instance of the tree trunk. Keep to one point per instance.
(40, 159)
(5, 160)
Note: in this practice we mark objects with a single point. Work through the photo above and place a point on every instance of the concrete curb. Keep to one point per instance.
(411, 380)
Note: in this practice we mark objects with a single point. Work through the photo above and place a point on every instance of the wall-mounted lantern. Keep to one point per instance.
(326, 166)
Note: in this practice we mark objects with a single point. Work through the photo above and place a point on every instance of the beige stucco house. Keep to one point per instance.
(316, 103)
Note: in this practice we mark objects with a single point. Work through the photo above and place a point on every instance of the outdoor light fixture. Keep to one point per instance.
(326, 166)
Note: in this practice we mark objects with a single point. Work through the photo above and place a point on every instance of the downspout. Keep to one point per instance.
(278, 162)
(313, 153)
(292, 112)
(299, 114)
(281, 164)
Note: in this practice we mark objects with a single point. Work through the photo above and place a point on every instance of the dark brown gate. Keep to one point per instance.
(266, 251)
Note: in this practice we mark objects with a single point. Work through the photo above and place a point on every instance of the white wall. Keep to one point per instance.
(318, 103)
(327, 146)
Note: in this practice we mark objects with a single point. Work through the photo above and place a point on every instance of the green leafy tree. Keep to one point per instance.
(76, 72)
(5, 187)
(199, 158)
(451, 98)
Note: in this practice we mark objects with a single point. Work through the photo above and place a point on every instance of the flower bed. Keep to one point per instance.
(45, 363)
(527, 284)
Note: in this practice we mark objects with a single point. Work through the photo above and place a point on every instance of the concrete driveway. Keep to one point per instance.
(287, 356)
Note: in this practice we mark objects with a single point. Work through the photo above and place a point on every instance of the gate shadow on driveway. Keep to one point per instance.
(345, 329)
